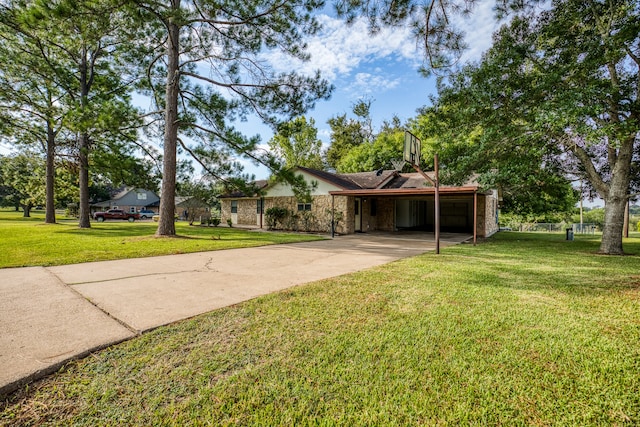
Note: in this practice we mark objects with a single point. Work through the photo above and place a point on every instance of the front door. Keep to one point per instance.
(357, 214)
(259, 212)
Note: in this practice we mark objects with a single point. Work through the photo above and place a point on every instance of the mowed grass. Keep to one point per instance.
(524, 329)
(29, 241)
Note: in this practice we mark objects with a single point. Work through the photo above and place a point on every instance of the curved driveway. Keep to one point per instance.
(50, 315)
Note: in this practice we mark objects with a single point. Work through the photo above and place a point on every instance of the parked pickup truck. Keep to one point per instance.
(116, 214)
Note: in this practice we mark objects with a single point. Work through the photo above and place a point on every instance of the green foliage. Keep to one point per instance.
(275, 217)
(370, 156)
(345, 135)
(198, 104)
(338, 217)
(555, 95)
(21, 176)
(297, 144)
(591, 216)
(69, 87)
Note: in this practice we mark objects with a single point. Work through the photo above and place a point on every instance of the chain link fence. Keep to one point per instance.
(548, 227)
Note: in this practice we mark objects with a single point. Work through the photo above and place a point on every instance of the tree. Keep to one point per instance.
(380, 153)
(29, 97)
(200, 197)
(297, 144)
(67, 57)
(349, 133)
(558, 92)
(207, 60)
(22, 174)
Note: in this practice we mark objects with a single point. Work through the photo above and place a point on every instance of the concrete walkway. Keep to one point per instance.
(50, 315)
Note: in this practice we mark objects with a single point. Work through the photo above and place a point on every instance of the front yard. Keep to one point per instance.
(526, 329)
(28, 241)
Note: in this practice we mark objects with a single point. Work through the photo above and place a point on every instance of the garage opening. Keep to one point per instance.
(456, 216)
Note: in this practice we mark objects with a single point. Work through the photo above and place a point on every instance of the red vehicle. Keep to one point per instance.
(116, 214)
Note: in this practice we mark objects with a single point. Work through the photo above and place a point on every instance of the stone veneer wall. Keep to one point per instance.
(491, 217)
(386, 214)
(487, 206)
(247, 212)
(225, 210)
(320, 209)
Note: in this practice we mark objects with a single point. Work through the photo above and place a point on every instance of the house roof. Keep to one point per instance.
(380, 182)
(339, 180)
(406, 184)
(410, 180)
(375, 179)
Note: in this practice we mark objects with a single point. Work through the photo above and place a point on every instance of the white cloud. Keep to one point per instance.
(365, 83)
(478, 28)
(339, 48)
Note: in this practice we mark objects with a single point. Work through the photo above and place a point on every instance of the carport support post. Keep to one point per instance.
(333, 210)
(437, 202)
(475, 216)
(436, 184)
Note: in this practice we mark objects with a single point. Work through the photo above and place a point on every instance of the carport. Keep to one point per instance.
(398, 209)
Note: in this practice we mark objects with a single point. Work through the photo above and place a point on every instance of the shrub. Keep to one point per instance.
(215, 221)
(338, 217)
(308, 220)
(291, 221)
(275, 216)
(229, 222)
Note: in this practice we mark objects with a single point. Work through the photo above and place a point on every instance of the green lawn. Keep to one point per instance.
(525, 329)
(29, 241)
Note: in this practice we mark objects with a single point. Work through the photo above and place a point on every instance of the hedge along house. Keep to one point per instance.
(370, 201)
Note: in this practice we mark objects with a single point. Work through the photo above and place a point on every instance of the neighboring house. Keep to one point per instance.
(130, 200)
(369, 201)
(192, 208)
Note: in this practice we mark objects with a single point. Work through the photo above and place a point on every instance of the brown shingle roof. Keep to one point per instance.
(335, 179)
(369, 180)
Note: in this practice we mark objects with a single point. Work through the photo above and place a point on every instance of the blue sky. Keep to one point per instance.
(382, 68)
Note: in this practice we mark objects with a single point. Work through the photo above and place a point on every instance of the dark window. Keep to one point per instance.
(357, 208)
(304, 207)
(234, 206)
(374, 207)
(259, 206)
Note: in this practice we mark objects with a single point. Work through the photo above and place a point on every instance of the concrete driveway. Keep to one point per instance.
(50, 315)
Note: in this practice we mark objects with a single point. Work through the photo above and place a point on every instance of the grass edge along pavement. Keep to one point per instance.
(522, 330)
(31, 242)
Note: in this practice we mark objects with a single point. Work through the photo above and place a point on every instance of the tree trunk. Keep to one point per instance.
(625, 228)
(166, 224)
(83, 154)
(616, 200)
(83, 182)
(26, 209)
(50, 208)
(611, 243)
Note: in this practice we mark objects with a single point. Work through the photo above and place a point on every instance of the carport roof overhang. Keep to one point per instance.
(469, 190)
